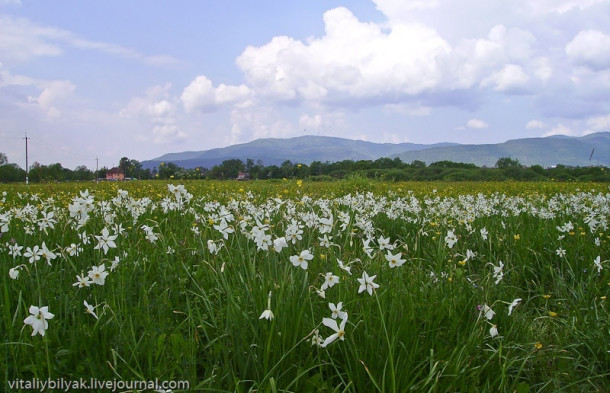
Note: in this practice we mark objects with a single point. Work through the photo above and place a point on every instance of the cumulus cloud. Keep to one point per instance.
(560, 129)
(590, 48)
(476, 124)
(258, 122)
(532, 124)
(511, 78)
(353, 61)
(201, 95)
(155, 109)
(599, 123)
(359, 63)
(399, 10)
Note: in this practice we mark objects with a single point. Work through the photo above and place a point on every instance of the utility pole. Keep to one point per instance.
(97, 162)
(26, 159)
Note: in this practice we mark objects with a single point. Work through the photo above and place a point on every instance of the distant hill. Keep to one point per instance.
(549, 151)
(303, 149)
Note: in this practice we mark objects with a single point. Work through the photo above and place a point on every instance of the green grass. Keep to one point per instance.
(193, 315)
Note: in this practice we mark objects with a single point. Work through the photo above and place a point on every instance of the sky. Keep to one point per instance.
(90, 82)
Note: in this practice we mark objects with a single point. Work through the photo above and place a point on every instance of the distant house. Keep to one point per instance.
(115, 174)
(243, 176)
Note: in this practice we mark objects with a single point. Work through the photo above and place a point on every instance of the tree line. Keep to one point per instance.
(386, 169)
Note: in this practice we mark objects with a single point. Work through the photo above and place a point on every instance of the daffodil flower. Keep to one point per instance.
(598, 264)
(336, 311)
(98, 274)
(366, 283)
(267, 314)
(329, 280)
(488, 312)
(394, 260)
(301, 259)
(513, 305)
(14, 273)
(339, 330)
(105, 241)
(493, 331)
(38, 319)
(90, 309)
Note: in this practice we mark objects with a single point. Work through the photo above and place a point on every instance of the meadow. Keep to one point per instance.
(297, 286)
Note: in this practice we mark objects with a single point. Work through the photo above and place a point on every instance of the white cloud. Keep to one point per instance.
(559, 6)
(410, 109)
(167, 133)
(590, 48)
(352, 62)
(310, 123)
(201, 95)
(560, 129)
(599, 123)
(258, 122)
(22, 40)
(499, 61)
(400, 10)
(155, 110)
(534, 124)
(511, 78)
(476, 124)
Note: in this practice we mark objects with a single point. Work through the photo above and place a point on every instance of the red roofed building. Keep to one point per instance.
(115, 174)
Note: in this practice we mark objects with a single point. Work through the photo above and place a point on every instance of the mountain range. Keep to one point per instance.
(592, 149)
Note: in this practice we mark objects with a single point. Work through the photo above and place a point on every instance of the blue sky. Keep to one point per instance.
(109, 79)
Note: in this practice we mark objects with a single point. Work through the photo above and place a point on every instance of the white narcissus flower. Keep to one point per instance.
(47, 254)
(384, 243)
(267, 314)
(336, 311)
(14, 250)
(560, 252)
(14, 273)
(33, 254)
(82, 281)
(488, 312)
(212, 247)
(450, 239)
(366, 283)
(493, 331)
(90, 309)
(302, 259)
(38, 319)
(316, 339)
(367, 248)
(329, 280)
(394, 260)
(598, 264)
(347, 268)
(224, 229)
(513, 305)
(498, 272)
(280, 243)
(339, 330)
(98, 274)
(105, 241)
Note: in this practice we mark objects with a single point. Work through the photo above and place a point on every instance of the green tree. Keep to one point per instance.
(11, 173)
(3, 159)
(507, 162)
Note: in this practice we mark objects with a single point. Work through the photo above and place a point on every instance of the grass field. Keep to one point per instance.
(297, 286)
